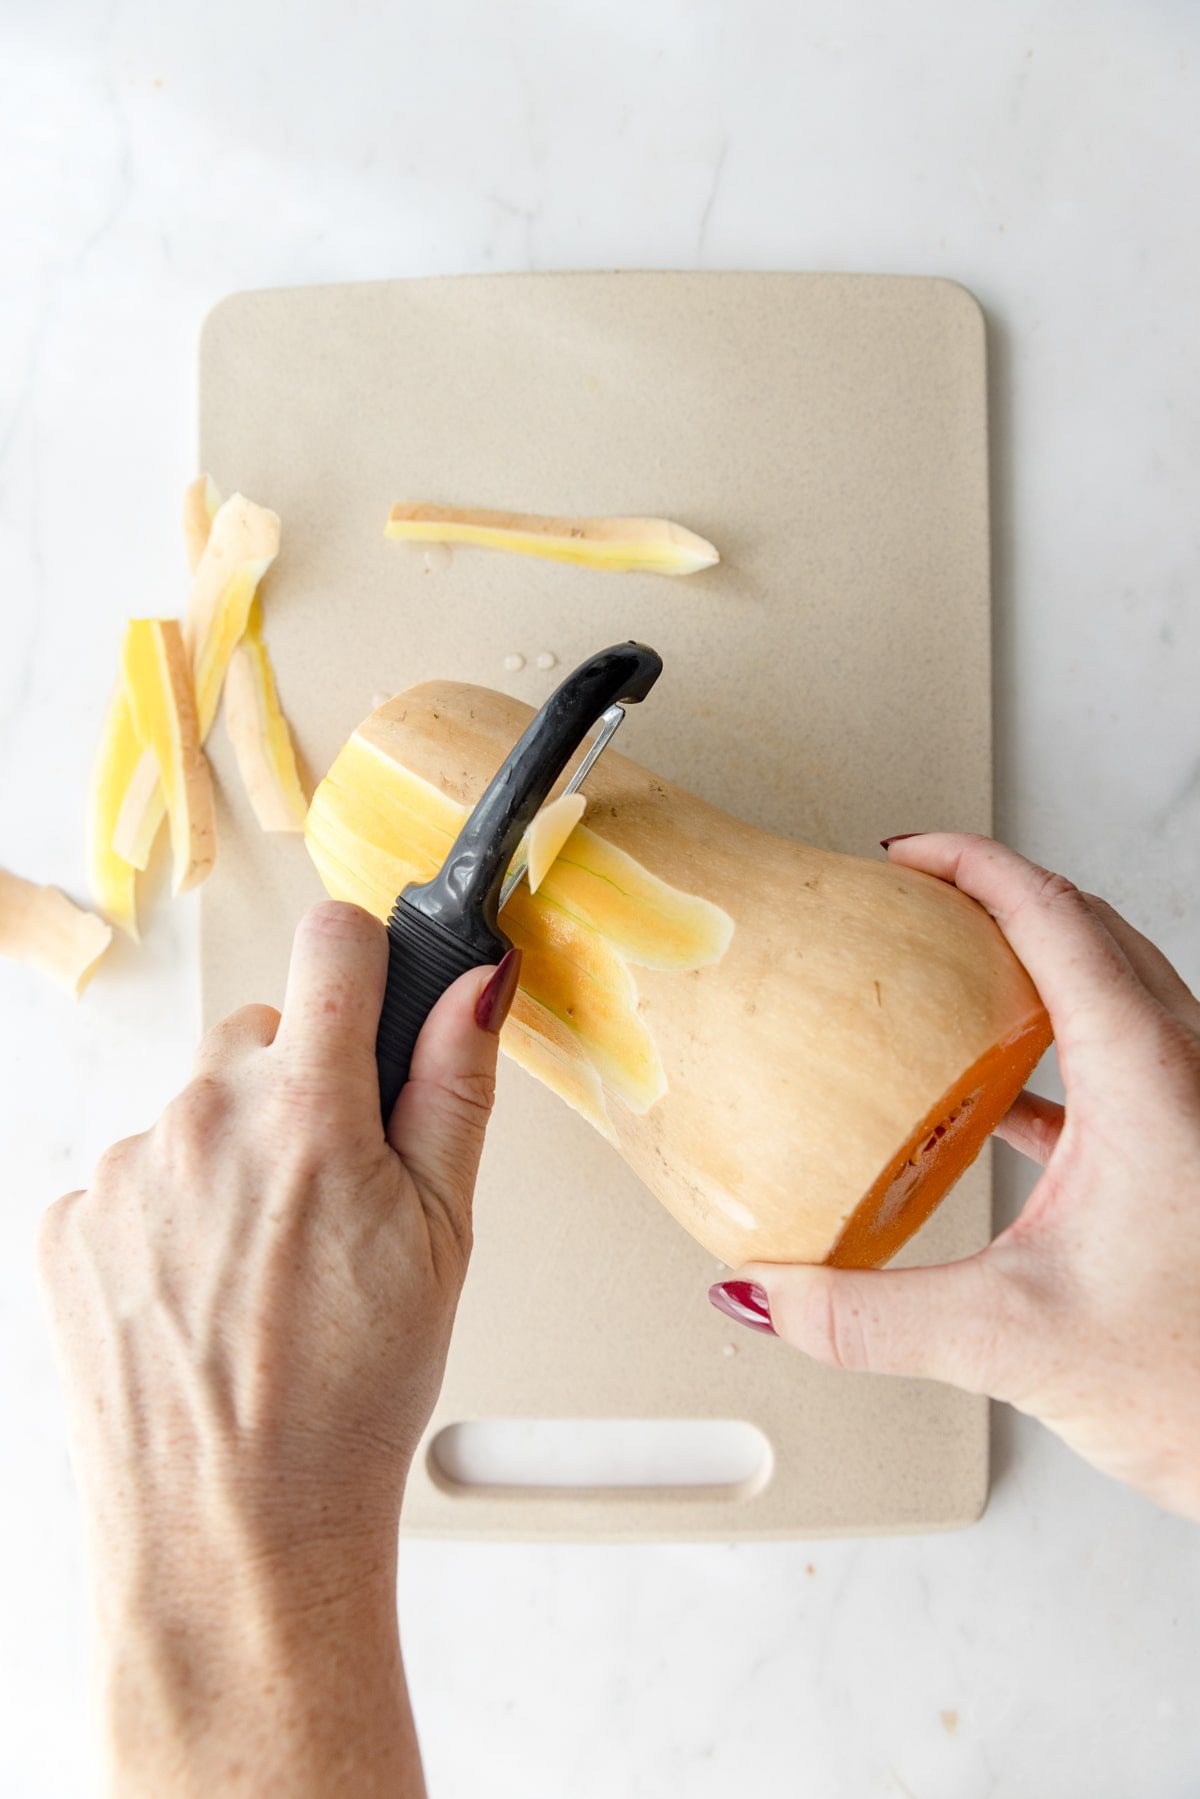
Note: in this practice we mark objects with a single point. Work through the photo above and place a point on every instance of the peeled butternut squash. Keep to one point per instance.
(547, 836)
(798, 1051)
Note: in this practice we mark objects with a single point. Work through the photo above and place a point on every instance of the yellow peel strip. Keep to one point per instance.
(626, 545)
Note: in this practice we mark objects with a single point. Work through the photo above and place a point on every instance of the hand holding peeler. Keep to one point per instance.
(439, 929)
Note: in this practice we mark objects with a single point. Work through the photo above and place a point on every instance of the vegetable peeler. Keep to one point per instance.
(439, 929)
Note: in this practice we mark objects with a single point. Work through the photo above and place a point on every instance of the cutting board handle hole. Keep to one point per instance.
(719, 1457)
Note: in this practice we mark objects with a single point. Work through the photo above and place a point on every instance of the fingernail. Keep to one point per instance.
(885, 843)
(492, 1006)
(746, 1301)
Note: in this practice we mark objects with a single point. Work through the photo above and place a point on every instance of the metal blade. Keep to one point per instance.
(609, 722)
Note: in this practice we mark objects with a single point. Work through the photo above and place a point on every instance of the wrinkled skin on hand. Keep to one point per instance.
(252, 1305)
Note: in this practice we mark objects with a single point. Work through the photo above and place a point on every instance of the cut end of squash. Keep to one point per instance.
(548, 834)
(626, 545)
(41, 927)
(158, 690)
(259, 734)
(941, 1149)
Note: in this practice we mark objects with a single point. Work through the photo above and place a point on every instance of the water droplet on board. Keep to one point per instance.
(513, 662)
(547, 659)
(728, 1349)
(379, 699)
(437, 558)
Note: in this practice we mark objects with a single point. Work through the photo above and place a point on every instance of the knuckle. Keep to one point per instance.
(471, 1093)
(195, 1116)
(1106, 914)
(247, 1025)
(830, 1322)
(1045, 891)
(848, 1334)
(114, 1165)
(337, 921)
(1055, 889)
(256, 1018)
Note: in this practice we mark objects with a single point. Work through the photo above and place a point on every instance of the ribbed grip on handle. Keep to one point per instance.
(423, 960)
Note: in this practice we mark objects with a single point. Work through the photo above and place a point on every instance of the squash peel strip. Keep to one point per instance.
(626, 545)
(158, 690)
(259, 733)
(44, 929)
(241, 545)
(547, 836)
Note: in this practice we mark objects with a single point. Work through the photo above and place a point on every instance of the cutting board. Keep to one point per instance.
(830, 680)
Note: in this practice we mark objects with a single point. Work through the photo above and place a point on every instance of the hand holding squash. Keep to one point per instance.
(1086, 1311)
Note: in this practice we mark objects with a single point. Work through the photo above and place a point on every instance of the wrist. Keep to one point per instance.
(229, 1642)
(195, 1540)
(251, 1682)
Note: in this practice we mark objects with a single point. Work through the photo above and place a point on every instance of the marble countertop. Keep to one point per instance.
(1047, 157)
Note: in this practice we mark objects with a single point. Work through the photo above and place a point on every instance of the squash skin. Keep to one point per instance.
(857, 1005)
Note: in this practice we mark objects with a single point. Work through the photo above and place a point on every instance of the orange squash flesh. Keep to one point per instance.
(938, 1152)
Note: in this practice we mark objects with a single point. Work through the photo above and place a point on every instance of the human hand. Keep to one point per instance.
(252, 1305)
(1085, 1312)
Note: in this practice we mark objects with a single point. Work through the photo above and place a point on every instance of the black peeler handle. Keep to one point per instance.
(423, 960)
(439, 929)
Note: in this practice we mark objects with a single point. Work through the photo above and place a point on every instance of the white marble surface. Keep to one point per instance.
(156, 157)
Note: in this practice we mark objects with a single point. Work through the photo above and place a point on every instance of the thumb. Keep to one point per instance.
(963, 1322)
(438, 1123)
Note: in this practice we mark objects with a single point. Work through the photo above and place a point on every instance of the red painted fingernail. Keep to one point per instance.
(746, 1301)
(885, 843)
(492, 1006)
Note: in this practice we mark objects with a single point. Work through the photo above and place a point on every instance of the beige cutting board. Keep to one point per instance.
(830, 680)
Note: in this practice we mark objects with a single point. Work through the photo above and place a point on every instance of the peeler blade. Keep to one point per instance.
(609, 723)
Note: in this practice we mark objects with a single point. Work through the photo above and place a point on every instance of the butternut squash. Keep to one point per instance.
(798, 1051)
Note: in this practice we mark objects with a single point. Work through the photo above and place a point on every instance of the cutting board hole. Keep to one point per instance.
(723, 1456)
